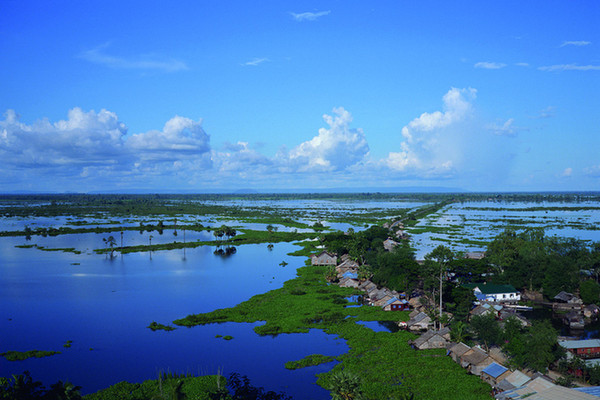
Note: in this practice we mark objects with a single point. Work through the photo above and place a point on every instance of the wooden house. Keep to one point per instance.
(513, 380)
(323, 258)
(589, 348)
(457, 350)
(565, 302)
(475, 255)
(591, 311)
(475, 360)
(395, 304)
(389, 244)
(419, 322)
(494, 373)
(432, 339)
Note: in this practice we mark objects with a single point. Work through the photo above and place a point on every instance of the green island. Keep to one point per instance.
(309, 361)
(12, 355)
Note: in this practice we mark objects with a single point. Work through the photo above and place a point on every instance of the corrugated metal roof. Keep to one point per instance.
(350, 275)
(578, 344)
(594, 390)
(495, 370)
(518, 378)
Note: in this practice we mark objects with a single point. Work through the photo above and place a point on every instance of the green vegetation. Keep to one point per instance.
(155, 326)
(168, 386)
(382, 360)
(68, 344)
(24, 355)
(309, 361)
(529, 259)
(64, 249)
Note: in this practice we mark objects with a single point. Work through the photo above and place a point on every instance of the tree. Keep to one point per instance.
(345, 386)
(110, 242)
(589, 291)
(459, 331)
(486, 329)
(442, 255)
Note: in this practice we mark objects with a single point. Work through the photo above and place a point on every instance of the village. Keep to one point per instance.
(498, 301)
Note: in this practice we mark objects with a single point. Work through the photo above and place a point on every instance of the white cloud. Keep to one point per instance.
(309, 16)
(569, 67)
(506, 129)
(489, 65)
(242, 159)
(567, 172)
(93, 148)
(575, 43)
(547, 112)
(522, 64)
(334, 148)
(142, 62)
(256, 61)
(180, 138)
(431, 141)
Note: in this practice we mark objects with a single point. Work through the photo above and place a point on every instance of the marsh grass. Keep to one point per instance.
(309, 361)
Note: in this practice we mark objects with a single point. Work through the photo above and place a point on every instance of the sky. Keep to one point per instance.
(219, 96)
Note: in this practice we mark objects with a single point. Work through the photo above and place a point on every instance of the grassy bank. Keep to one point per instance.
(387, 365)
(24, 355)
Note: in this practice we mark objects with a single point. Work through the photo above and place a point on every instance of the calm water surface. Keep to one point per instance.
(104, 305)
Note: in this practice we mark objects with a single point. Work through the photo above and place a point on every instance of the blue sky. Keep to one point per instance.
(224, 95)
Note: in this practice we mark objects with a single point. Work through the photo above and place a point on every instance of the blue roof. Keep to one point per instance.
(350, 275)
(495, 370)
(393, 299)
(593, 390)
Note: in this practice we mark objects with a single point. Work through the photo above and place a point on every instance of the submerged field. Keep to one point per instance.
(249, 299)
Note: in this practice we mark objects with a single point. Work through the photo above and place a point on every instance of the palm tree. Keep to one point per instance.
(110, 241)
(345, 386)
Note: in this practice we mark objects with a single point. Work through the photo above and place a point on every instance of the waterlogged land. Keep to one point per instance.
(244, 294)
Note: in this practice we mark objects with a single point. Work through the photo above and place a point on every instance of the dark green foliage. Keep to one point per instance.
(530, 259)
(168, 386)
(486, 329)
(535, 347)
(309, 361)
(345, 386)
(589, 291)
(23, 355)
(458, 300)
(155, 326)
(23, 387)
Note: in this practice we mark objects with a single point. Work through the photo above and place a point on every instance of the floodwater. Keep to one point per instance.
(104, 306)
(481, 221)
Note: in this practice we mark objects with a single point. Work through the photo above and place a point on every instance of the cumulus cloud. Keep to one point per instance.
(577, 43)
(430, 145)
(95, 147)
(569, 67)
(309, 16)
(241, 158)
(334, 148)
(180, 138)
(143, 62)
(83, 138)
(489, 65)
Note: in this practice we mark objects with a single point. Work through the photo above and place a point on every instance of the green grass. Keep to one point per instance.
(386, 363)
(24, 355)
(309, 361)
(63, 249)
(176, 387)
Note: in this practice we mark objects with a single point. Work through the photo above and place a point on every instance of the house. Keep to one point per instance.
(389, 244)
(494, 374)
(589, 348)
(574, 320)
(457, 351)
(565, 302)
(542, 389)
(494, 293)
(432, 339)
(513, 380)
(395, 304)
(486, 308)
(419, 322)
(323, 258)
(475, 255)
(348, 282)
(475, 360)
